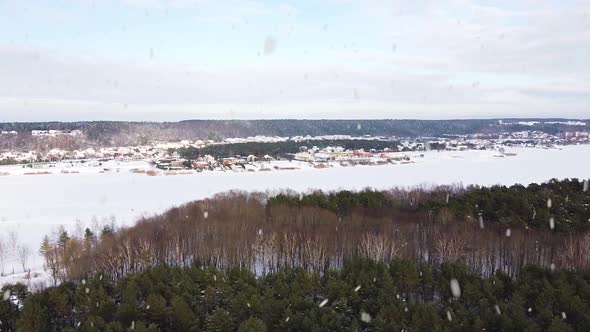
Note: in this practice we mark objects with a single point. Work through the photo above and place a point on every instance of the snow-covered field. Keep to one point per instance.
(32, 206)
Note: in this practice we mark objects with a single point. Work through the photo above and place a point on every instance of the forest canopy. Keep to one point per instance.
(363, 296)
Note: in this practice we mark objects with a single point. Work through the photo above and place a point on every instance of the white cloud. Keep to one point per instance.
(38, 85)
(457, 59)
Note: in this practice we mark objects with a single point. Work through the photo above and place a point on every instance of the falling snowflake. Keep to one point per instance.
(449, 317)
(6, 295)
(552, 223)
(270, 45)
(508, 232)
(324, 302)
(357, 288)
(549, 203)
(497, 309)
(205, 214)
(365, 317)
(481, 225)
(455, 288)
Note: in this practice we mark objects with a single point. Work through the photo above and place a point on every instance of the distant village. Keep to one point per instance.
(165, 156)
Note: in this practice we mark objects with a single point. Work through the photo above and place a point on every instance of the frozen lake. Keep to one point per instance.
(34, 205)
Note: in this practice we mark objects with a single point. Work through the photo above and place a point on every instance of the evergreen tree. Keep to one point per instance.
(33, 317)
(252, 324)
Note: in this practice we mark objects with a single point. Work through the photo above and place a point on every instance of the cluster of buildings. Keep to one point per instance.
(9, 157)
(579, 136)
(207, 162)
(339, 154)
(55, 133)
(533, 138)
(163, 155)
(526, 138)
(538, 123)
(55, 155)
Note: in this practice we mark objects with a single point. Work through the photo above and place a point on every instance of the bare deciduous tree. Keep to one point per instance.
(449, 248)
(377, 247)
(23, 256)
(242, 230)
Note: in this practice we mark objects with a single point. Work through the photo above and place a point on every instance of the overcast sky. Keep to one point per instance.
(201, 59)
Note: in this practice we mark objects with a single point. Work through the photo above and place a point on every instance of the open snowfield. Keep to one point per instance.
(32, 206)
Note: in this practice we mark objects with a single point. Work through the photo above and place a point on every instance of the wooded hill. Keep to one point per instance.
(413, 259)
(486, 229)
(113, 133)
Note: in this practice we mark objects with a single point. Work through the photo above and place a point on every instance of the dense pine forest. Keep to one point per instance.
(416, 259)
(363, 295)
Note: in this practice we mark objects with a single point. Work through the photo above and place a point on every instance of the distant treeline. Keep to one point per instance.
(113, 133)
(274, 149)
(319, 231)
(362, 296)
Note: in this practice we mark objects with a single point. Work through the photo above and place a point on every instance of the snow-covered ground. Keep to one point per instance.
(32, 206)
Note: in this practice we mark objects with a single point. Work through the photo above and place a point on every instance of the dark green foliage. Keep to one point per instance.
(516, 205)
(188, 152)
(34, 317)
(519, 205)
(401, 295)
(341, 201)
(280, 148)
(9, 309)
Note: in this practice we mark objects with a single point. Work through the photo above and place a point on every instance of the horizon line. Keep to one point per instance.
(303, 119)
